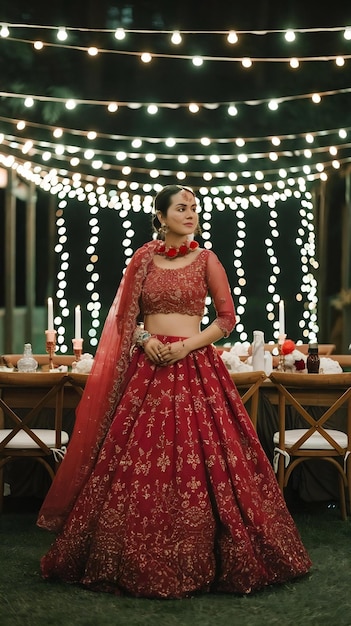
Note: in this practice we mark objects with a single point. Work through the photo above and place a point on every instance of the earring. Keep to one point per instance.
(163, 229)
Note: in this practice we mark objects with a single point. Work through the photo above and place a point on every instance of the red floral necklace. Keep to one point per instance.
(172, 252)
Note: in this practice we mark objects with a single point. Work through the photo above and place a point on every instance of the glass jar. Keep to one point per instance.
(27, 362)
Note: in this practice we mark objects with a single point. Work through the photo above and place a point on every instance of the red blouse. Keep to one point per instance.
(184, 289)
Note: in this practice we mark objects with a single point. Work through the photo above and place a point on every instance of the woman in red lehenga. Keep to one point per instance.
(165, 490)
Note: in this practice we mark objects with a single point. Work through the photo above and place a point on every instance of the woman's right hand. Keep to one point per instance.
(152, 350)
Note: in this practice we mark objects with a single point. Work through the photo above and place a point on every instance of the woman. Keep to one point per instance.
(165, 489)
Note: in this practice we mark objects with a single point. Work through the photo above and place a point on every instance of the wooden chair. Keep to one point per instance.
(248, 384)
(30, 393)
(315, 440)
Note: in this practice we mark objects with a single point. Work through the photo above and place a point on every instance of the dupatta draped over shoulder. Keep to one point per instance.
(102, 392)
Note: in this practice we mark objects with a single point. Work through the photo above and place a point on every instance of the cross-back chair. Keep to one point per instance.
(248, 384)
(22, 398)
(314, 439)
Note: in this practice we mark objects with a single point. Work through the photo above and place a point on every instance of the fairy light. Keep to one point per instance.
(93, 51)
(62, 34)
(38, 45)
(290, 36)
(232, 37)
(146, 57)
(71, 104)
(294, 63)
(29, 102)
(120, 34)
(246, 62)
(4, 31)
(197, 61)
(176, 38)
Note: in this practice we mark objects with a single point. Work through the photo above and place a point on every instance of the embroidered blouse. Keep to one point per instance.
(184, 289)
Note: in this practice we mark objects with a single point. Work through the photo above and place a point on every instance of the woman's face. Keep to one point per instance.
(182, 217)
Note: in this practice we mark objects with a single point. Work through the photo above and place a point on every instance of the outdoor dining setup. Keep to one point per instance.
(302, 419)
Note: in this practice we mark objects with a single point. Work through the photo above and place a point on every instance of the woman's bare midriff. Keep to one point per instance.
(172, 324)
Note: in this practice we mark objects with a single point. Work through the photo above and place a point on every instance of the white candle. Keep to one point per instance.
(77, 323)
(281, 319)
(50, 314)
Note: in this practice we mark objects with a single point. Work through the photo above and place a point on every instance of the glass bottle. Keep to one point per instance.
(258, 351)
(27, 362)
(313, 360)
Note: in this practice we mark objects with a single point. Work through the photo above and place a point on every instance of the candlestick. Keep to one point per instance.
(77, 323)
(281, 363)
(50, 314)
(281, 318)
(77, 348)
(50, 346)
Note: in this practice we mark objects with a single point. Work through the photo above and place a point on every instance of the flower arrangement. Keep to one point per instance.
(293, 359)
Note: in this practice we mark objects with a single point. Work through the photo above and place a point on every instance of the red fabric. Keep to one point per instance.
(184, 290)
(182, 497)
(102, 391)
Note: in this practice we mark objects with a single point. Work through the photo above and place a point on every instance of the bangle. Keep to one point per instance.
(141, 337)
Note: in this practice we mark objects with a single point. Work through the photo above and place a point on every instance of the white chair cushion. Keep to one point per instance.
(315, 441)
(23, 441)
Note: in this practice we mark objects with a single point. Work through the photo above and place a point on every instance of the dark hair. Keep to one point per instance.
(163, 200)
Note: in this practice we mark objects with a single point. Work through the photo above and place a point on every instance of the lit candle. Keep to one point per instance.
(50, 314)
(281, 319)
(77, 323)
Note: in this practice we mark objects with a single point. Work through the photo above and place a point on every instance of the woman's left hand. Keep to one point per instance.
(173, 352)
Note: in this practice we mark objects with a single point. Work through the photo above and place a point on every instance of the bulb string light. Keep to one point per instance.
(71, 103)
(244, 61)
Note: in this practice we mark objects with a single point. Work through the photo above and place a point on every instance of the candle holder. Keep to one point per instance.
(50, 346)
(77, 348)
(281, 363)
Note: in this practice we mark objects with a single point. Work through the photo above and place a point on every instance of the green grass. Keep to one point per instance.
(323, 597)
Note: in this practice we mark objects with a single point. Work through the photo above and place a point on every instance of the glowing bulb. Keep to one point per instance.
(316, 98)
(93, 51)
(246, 62)
(197, 61)
(70, 105)
(176, 38)
(309, 138)
(290, 35)
(21, 125)
(273, 105)
(152, 109)
(275, 141)
(294, 63)
(58, 132)
(28, 102)
(62, 34)
(38, 45)
(205, 141)
(340, 61)
(4, 31)
(92, 135)
(347, 33)
(232, 110)
(120, 34)
(240, 142)
(194, 108)
(232, 37)
(170, 142)
(146, 57)
(112, 107)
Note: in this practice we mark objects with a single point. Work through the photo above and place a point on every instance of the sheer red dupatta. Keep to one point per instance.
(102, 392)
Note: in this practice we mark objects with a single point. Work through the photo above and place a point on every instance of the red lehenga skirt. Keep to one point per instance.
(182, 498)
